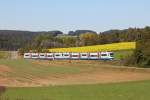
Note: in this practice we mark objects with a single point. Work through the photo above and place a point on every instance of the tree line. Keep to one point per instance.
(14, 40)
(88, 38)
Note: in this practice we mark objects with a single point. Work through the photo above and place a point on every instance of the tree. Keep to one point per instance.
(104, 38)
(88, 39)
(68, 41)
(142, 53)
(42, 41)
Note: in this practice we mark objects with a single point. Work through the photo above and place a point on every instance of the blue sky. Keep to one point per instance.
(66, 15)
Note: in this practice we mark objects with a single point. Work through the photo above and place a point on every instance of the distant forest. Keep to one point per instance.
(14, 40)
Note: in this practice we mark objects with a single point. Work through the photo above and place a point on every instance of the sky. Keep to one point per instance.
(71, 15)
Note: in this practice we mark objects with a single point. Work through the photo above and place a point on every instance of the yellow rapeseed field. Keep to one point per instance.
(98, 48)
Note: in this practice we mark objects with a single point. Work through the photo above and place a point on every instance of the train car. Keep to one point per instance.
(50, 56)
(72, 56)
(42, 55)
(84, 56)
(58, 56)
(107, 56)
(27, 56)
(75, 56)
(66, 56)
(94, 56)
(35, 55)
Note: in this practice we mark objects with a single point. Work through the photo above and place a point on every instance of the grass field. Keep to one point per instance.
(98, 48)
(117, 91)
(4, 54)
(28, 70)
(122, 54)
(76, 80)
(28, 73)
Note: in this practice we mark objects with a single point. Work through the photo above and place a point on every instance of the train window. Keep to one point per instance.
(27, 55)
(84, 55)
(34, 55)
(93, 55)
(66, 55)
(57, 55)
(103, 54)
(49, 56)
(41, 55)
(74, 55)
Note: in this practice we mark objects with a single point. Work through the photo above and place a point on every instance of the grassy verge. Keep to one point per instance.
(118, 55)
(119, 91)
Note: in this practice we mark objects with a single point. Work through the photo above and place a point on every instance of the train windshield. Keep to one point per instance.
(112, 54)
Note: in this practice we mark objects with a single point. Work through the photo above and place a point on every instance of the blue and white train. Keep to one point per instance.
(70, 56)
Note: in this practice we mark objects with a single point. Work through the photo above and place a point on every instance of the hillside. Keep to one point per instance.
(14, 39)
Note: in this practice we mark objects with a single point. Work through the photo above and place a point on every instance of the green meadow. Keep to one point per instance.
(113, 91)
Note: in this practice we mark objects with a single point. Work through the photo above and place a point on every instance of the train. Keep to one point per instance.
(70, 56)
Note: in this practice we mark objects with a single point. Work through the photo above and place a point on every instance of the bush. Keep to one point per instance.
(129, 60)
